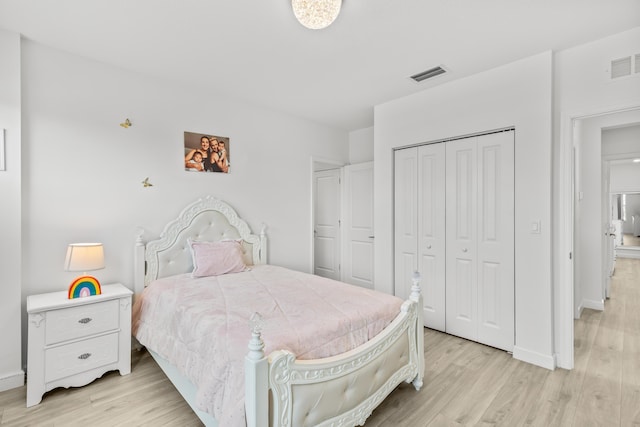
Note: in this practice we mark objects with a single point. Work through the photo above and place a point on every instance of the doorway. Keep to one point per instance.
(342, 220)
(570, 195)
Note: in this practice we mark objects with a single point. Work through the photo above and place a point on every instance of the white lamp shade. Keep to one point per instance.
(84, 257)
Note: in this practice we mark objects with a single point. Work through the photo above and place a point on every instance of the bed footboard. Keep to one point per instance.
(342, 390)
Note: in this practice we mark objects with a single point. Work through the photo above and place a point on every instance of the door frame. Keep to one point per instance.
(563, 291)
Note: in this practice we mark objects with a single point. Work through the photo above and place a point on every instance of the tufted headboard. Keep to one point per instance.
(206, 219)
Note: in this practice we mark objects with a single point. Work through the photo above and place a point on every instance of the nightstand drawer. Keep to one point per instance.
(76, 322)
(81, 356)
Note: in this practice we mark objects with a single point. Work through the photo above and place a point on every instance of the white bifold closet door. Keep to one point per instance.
(480, 239)
(420, 227)
(454, 222)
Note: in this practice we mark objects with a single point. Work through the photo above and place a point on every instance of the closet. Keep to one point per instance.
(454, 223)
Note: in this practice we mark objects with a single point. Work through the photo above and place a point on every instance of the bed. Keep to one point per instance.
(280, 389)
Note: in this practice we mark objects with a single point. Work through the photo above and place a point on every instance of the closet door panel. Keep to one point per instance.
(461, 217)
(428, 269)
(431, 231)
(463, 291)
(489, 293)
(405, 219)
(496, 240)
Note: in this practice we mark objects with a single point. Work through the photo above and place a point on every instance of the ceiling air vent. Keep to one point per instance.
(435, 71)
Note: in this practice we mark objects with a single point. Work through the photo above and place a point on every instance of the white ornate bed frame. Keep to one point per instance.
(281, 391)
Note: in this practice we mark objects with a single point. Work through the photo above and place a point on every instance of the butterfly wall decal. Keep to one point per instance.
(146, 183)
(126, 124)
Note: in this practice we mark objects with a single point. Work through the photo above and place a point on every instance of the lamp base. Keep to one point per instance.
(84, 286)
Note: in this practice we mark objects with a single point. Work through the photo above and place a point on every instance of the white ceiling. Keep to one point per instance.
(257, 51)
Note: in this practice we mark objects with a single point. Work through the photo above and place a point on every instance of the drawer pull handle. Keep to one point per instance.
(85, 320)
(84, 356)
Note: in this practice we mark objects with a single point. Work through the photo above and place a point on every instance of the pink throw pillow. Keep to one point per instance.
(216, 258)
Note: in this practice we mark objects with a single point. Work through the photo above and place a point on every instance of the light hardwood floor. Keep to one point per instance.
(630, 240)
(465, 383)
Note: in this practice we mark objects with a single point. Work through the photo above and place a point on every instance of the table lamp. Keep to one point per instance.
(84, 257)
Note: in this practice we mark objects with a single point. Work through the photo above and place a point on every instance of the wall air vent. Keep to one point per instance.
(621, 67)
(435, 71)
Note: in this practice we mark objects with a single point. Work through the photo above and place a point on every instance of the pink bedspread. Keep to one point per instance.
(201, 325)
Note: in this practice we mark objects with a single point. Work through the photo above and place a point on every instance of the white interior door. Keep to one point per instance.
(358, 225)
(431, 229)
(405, 219)
(326, 231)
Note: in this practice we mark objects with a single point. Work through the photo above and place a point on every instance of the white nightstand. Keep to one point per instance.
(74, 341)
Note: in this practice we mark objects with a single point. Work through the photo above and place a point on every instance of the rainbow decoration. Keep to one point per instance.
(84, 286)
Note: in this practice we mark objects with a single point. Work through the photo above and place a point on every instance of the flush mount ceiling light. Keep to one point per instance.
(316, 14)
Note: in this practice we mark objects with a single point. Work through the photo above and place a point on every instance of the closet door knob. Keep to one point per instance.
(464, 249)
(428, 246)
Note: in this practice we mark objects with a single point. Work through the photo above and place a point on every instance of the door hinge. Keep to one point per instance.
(570, 255)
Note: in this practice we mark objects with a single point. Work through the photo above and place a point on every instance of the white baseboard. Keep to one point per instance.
(627, 253)
(593, 304)
(10, 381)
(578, 312)
(547, 361)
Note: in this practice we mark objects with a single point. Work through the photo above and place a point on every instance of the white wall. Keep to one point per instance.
(581, 89)
(621, 142)
(580, 74)
(83, 172)
(361, 145)
(517, 94)
(11, 374)
(625, 178)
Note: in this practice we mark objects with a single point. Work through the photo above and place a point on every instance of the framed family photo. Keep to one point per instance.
(204, 152)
